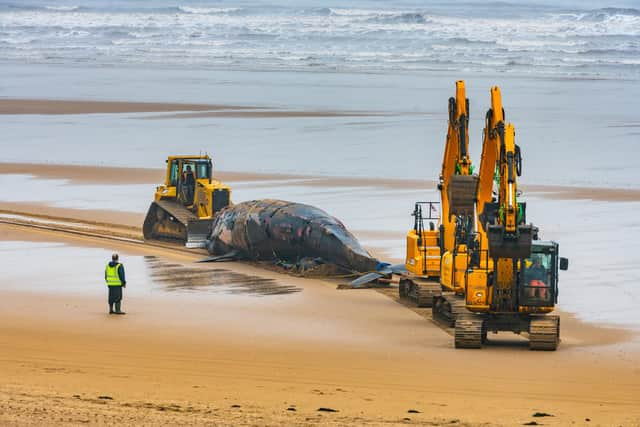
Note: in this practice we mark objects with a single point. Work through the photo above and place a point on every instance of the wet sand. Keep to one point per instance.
(83, 174)
(193, 359)
(242, 358)
(66, 106)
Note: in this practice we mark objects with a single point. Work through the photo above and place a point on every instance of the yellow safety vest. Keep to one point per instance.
(112, 277)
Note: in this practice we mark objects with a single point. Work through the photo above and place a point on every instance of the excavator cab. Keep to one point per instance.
(538, 277)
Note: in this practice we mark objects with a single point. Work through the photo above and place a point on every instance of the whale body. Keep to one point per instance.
(278, 230)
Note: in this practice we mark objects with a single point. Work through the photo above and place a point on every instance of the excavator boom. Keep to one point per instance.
(457, 185)
(502, 230)
(493, 277)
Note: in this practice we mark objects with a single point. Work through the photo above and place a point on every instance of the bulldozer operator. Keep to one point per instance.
(188, 185)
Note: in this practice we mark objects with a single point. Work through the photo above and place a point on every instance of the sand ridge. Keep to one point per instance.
(67, 106)
(88, 174)
(9, 106)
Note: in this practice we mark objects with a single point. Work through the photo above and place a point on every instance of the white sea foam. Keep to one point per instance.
(62, 8)
(541, 41)
(208, 10)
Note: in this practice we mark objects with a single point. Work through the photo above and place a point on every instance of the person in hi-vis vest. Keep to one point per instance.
(114, 276)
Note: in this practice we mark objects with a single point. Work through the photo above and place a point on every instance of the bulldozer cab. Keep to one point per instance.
(538, 278)
(183, 175)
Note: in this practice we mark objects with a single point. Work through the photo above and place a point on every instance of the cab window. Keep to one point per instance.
(190, 165)
(538, 268)
(173, 176)
(202, 170)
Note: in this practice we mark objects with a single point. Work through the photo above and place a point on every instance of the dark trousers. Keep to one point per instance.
(115, 294)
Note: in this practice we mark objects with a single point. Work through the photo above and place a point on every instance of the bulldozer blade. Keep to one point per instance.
(506, 245)
(462, 194)
(172, 221)
(197, 233)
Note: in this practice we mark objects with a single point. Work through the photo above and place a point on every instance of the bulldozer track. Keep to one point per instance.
(544, 333)
(83, 228)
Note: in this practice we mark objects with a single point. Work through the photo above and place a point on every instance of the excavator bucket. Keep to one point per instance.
(507, 245)
(462, 194)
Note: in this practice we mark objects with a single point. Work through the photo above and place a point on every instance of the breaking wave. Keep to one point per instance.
(400, 18)
(278, 35)
(63, 8)
(608, 12)
(209, 10)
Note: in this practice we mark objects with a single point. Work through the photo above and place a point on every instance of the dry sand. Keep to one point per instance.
(190, 359)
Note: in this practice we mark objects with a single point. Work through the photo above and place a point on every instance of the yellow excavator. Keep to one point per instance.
(457, 186)
(500, 277)
(184, 206)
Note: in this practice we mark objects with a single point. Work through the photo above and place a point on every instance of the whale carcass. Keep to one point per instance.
(277, 230)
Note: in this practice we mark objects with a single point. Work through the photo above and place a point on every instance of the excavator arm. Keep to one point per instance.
(457, 184)
(501, 229)
(457, 190)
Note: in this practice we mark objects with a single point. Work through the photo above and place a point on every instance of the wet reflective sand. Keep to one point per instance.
(178, 277)
(60, 268)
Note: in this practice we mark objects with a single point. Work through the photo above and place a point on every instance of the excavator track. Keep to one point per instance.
(470, 331)
(448, 306)
(544, 333)
(419, 290)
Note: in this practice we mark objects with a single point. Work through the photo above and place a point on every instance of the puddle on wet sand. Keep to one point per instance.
(178, 277)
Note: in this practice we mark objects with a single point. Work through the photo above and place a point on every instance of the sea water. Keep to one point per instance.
(584, 38)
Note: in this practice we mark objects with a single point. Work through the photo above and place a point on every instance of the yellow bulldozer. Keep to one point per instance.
(184, 206)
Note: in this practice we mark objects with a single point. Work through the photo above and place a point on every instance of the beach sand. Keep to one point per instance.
(191, 358)
(197, 359)
(187, 111)
(83, 174)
